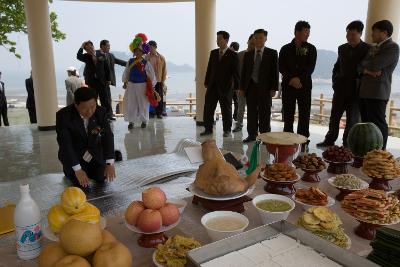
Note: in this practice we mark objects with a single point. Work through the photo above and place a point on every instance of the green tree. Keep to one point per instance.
(12, 20)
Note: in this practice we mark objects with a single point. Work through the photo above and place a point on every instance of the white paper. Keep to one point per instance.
(194, 154)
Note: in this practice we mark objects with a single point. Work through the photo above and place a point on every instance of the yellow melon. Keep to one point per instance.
(90, 213)
(73, 200)
(57, 217)
(72, 261)
(80, 238)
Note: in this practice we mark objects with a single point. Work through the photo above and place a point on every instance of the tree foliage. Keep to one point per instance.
(12, 20)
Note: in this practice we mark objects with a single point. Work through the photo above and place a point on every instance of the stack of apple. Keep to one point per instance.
(84, 244)
(150, 214)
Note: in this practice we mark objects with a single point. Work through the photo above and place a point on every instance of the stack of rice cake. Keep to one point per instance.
(280, 251)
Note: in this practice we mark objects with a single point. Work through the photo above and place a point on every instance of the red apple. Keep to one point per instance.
(154, 198)
(133, 211)
(169, 214)
(149, 220)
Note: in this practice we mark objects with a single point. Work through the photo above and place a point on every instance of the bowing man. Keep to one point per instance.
(85, 140)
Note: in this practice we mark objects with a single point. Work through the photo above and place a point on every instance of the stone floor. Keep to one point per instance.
(27, 152)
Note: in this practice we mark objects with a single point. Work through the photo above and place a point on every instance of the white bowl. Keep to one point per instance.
(180, 203)
(216, 235)
(269, 217)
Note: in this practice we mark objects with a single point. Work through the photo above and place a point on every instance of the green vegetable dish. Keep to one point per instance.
(273, 205)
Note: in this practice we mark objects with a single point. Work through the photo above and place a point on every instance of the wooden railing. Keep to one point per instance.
(320, 117)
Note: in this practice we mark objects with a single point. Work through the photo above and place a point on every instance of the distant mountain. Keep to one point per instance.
(325, 61)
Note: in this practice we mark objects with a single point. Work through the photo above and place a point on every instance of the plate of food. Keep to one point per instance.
(348, 182)
(312, 197)
(338, 155)
(174, 251)
(310, 163)
(50, 235)
(323, 222)
(381, 164)
(200, 193)
(372, 207)
(280, 173)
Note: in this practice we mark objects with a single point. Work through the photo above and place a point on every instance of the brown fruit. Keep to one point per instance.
(51, 254)
(107, 237)
(72, 261)
(113, 254)
(80, 238)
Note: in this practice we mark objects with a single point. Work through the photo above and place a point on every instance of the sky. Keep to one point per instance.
(172, 26)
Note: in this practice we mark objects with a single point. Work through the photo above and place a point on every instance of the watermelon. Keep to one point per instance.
(364, 137)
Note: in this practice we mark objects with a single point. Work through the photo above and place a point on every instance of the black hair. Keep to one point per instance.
(224, 34)
(250, 37)
(153, 43)
(300, 25)
(84, 94)
(103, 42)
(383, 25)
(235, 46)
(89, 42)
(260, 31)
(355, 25)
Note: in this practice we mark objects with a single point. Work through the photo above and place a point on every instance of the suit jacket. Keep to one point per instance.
(383, 58)
(292, 64)
(222, 73)
(73, 141)
(72, 83)
(3, 99)
(345, 76)
(95, 72)
(112, 60)
(30, 100)
(268, 76)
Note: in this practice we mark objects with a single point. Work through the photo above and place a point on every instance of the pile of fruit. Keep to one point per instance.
(381, 164)
(326, 224)
(312, 196)
(280, 172)
(337, 154)
(310, 162)
(73, 206)
(372, 206)
(85, 244)
(152, 212)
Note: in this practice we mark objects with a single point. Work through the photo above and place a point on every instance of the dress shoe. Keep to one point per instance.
(206, 132)
(237, 129)
(130, 126)
(249, 139)
(226, 133)
(143, 125)
(325, 144)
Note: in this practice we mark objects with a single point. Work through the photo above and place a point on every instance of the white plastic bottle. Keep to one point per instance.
(27, 226)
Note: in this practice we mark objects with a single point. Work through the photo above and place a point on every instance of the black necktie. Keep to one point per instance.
(256, 67)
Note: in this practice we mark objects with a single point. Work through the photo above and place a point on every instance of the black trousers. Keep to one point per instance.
(93, 169)
(3, 113)
(159, 89)
(342, 102)
(259, 102)
(32, 115)
(104, 94)
(235, 105)
(374, 110)
(210, 104)
(303, 98)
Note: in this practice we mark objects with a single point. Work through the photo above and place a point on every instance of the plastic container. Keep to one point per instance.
(28, 228)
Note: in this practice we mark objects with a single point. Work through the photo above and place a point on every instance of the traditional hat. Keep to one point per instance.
(140, 42)
(71, 68)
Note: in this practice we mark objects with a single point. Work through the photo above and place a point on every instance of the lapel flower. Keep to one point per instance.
(96, 130)
(301, 51)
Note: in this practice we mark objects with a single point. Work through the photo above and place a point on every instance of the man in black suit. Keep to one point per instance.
(30, 100)
(346, 83)
(111, 61)
(85, 140)
(259, 82)
(96, 73)
(296, 64)
(222, 71)
(3, 104)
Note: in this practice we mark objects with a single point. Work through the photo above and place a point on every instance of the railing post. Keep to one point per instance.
(391, 115)
(321, 108)
(121, 104)
(190, 105)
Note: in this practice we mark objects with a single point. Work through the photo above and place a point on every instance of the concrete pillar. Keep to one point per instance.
(380, 10)
(42, 62)
(205, 11)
